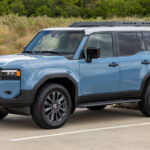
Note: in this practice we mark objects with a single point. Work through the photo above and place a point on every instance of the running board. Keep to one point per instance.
(107, 102)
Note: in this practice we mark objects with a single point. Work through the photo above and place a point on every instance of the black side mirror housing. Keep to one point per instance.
(92, 52)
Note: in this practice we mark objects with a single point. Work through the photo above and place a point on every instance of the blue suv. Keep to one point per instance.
(87, 65)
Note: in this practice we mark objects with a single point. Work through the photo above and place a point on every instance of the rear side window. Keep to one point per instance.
(128, 43)
(147, 40)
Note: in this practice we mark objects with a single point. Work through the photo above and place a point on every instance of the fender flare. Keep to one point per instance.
(54, 76)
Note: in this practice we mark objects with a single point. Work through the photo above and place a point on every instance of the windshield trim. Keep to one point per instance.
(63, 53)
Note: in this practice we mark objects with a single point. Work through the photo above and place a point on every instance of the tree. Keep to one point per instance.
(75, 8)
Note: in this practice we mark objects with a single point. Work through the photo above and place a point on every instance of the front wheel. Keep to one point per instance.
(52, 106)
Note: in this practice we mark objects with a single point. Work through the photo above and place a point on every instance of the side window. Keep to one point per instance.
(128, 43)
(147, 40)
(102, 41)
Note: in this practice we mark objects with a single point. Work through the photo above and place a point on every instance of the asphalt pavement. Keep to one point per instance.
(110, 129)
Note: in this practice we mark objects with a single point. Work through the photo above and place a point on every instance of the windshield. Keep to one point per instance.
(65, 42)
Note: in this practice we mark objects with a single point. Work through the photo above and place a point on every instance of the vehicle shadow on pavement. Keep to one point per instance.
(106, 115)
(80, 117)
(18, 122)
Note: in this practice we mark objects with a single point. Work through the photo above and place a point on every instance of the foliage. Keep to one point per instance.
(76, 8)
(16, 31)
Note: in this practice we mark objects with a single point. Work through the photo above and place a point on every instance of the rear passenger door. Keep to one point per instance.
(129, 46)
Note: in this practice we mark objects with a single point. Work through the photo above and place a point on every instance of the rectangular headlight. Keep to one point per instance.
(10, 74)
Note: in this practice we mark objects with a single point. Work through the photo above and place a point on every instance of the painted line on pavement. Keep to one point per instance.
(80, 131)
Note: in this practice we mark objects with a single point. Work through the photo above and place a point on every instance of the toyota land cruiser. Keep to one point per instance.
(87, 65)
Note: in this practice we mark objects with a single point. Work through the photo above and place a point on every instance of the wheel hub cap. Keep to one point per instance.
(55, 106)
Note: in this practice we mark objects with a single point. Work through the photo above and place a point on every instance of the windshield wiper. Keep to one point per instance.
(51, 52)
(42, 52)
(31, 52)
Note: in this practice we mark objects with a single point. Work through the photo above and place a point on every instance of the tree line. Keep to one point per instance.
(76, 8)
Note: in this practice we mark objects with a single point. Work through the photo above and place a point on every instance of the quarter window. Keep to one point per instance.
(128, 43)
(102, 41)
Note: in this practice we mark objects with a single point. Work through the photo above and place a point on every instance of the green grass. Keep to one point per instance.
(16, 32)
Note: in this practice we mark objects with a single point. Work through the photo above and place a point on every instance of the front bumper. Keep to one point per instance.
(26, 98)
(9, 89)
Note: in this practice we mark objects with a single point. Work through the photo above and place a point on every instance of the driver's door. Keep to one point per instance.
(101, 76)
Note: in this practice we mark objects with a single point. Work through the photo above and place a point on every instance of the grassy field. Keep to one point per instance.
(16, 32)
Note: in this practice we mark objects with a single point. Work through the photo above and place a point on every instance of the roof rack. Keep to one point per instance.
(110, 24)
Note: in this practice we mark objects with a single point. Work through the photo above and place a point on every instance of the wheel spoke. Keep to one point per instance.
(48, 104)
(63, 104)
(60, 114)
(47, 109)
(60, 99)
(49, 99)
(58, 95)
(62, 109)
(56, 115)
(54, 96)
(48, 114)
(52, 115)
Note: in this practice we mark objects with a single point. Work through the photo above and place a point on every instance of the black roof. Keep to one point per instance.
(109, 24)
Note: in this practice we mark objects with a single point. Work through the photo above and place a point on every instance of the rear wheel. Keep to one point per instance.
(96, 107)
(52, 106)
(145, 102)
(3, 115)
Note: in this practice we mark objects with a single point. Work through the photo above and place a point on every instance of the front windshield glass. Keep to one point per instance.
(55, 41)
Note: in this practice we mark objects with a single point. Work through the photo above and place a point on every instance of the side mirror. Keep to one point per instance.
(92, 52)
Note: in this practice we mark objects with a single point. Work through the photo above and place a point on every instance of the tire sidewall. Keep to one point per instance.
(147, 100)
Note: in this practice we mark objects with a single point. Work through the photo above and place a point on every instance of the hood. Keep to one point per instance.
(19, 61)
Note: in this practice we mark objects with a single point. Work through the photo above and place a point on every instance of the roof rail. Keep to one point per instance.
(109, 24)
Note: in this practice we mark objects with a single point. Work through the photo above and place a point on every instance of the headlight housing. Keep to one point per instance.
(10, 74)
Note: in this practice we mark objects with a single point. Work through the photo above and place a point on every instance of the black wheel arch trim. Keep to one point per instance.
(55, 76)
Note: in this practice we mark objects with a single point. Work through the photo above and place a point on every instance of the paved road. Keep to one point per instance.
(113, 128)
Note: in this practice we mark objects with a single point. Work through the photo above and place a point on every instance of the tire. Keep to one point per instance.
(96, 107)
(144, 105)
(3, 115)
(52, 106)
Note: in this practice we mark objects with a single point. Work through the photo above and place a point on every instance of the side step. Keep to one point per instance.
(107, 102)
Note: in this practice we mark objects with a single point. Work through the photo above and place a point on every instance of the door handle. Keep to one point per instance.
(145, 62)
(113, 64)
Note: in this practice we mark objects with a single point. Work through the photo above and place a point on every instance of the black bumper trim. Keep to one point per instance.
(25, 99)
